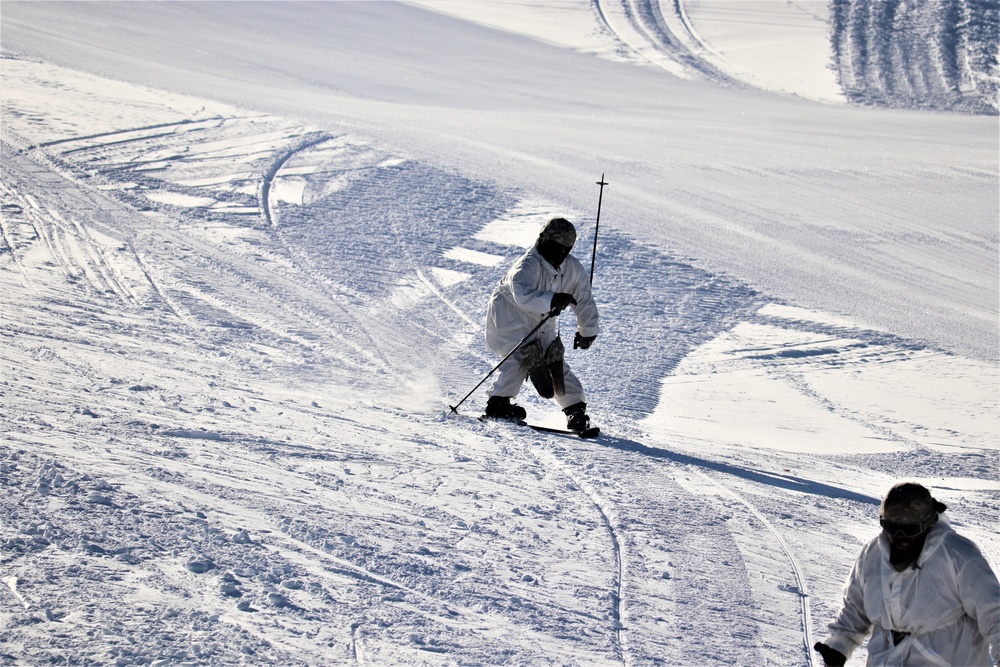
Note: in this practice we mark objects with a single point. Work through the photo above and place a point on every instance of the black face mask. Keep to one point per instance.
(906, 541)
(904, 552)
(552, 252)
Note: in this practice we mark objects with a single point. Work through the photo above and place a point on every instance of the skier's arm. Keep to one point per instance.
(849, 629)
(586, 307)
(980, 593)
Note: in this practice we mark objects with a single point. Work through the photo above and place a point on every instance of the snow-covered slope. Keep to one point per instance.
(895, 224)
(236, 300)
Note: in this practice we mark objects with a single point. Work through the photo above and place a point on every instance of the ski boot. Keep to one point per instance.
(576, 417)
(500, 407)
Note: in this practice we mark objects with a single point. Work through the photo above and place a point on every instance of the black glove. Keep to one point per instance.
(560, 300)
(831, 656)
(582, 342)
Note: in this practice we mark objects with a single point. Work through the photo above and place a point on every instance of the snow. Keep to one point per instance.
(177, 199)
(473, 256)
(519, 226)
(246, 249)
(773, 44)
(848, 395)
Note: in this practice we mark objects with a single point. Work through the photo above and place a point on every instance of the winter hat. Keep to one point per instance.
(909, 503)
(559, 230)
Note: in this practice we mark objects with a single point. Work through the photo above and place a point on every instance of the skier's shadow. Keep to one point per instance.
(762, 477)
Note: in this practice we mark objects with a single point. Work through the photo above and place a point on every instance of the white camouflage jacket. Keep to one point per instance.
(524, 297)
(949, 604)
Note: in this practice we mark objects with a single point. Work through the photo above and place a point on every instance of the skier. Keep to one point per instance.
(925, 593)
(542, 283)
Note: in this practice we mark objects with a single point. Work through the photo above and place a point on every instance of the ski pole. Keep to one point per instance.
(597, 226)
(454, 408)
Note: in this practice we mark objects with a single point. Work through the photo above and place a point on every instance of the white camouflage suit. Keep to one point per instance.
(949, 604)
(521, 300)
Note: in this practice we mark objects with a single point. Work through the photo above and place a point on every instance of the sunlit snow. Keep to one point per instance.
(246, 250)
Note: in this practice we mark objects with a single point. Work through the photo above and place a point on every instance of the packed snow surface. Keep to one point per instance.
(246, 250)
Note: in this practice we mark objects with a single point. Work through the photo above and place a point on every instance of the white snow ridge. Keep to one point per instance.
(245, 255)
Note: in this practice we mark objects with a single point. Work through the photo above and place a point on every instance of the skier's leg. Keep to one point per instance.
(573, 403)
(510, 377)
(574, 389)
(506, 387)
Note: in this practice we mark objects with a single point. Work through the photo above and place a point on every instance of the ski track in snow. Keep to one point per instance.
(800, 581)
(225, 440)
(664, 39)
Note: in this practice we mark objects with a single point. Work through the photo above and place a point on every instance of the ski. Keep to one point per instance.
(586, 434)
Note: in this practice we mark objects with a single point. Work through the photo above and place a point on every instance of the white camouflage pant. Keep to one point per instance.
(512, 375)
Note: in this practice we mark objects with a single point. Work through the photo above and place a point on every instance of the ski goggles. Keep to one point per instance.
(905, 530)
